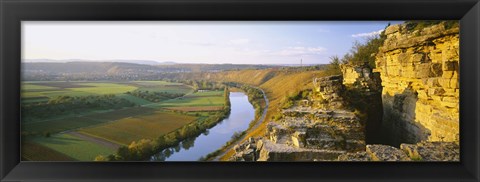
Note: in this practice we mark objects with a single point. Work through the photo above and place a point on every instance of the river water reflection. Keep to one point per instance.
(242, 113)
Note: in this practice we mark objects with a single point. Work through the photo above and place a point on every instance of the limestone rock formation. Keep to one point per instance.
(433, 151)
(247, 151)
(361, 77)
(331, 90)
(423, 151)
(415, 84)
(420, 78)
(307, 133)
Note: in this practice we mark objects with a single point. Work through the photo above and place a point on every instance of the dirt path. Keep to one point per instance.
(96, 140)
(257, 124)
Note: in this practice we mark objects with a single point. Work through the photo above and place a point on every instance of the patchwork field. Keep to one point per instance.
(73, 146)
(83, 135)
(193, 109)
(148, 126)
(103, 88)
(36, 152)
(41, 91)
(58, 125)
(53, 89)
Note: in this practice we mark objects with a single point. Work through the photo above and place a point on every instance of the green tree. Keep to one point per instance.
(334, 66)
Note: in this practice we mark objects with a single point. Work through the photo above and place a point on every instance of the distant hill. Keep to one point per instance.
(147, 62)
(74, 70)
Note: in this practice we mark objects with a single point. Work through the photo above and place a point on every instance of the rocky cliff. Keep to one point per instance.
(319, 130)
(407, 109)
(420, 79)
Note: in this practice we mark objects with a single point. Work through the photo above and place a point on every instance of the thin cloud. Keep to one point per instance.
(369, 34)
(298, 51)
(321, 30)
(198, 43)
(240, 41)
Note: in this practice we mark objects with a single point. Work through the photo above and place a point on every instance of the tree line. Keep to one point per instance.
(71, 104)
(145, 148)
(154, 96)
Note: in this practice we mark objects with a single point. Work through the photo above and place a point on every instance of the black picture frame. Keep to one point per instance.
(12, 12)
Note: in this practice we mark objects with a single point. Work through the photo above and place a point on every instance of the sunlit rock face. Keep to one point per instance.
(361, 77)
(420, 79)
(406, 109)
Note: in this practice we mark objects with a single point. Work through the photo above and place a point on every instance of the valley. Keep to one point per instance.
(394, 97)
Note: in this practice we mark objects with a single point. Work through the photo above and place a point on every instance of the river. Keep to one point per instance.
(241, 114)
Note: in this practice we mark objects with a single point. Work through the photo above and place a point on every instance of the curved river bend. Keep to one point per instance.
(241, 114)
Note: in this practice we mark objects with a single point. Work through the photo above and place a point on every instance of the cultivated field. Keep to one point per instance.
(59, 125)
(148, 126)
(73, 146)
(193, 109)
(87, 133)
(36, 152)
(213, 98)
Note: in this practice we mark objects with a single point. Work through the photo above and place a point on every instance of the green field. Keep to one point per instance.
(145, 120)
(59, 125)
(103, 88)
(136, 100)
(154, 83)
(73, 147)
(181, 89)
(45, 90)
(212, 98)
(148, 126)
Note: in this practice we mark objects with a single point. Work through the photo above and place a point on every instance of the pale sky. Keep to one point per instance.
(260, 42)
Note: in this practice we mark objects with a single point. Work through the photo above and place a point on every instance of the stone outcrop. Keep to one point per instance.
(306, 133)
(423, 151)
(415, 84)
(361, 77)
(247, 151)
(433, 151)
(330, 90)
(364, 94)
(420, 79)
(261, 149)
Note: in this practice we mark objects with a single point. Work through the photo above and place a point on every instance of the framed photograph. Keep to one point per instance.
(239, 90)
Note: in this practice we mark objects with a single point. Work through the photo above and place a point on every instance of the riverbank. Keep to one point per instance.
(195, 148)
(236, 139)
